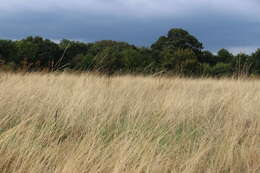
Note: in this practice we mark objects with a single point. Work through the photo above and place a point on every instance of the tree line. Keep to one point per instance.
(178, 52)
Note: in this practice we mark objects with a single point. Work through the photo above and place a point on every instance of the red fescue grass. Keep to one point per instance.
(72, 123)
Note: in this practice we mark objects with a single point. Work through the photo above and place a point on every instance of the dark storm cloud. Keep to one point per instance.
(138, 22)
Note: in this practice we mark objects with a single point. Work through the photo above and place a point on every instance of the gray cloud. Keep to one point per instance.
(232, 24)
(139, 8)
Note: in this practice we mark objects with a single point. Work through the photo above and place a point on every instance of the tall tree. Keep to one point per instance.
(7, 50)
(178, 39)
(36, 50)
(224, 56)
(256, 61)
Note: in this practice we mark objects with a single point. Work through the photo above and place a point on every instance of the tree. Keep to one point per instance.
(207, 57)
(224, 56)
(111, 56)
(38, 51)
(256, 61)
(178, 44)
(108, 60)
(70, 49)
(99, 46)
(181, 61)
(7, 50)
(178, 39)
(221, 69)
(242, 64)
(131, 59)
(82, 62)
(178, 52)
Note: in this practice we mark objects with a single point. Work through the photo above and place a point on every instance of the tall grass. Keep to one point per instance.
(73, 123)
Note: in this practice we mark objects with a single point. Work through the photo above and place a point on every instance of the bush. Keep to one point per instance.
(221, 69)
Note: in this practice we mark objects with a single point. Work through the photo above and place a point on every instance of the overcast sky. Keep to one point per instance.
(232, 24)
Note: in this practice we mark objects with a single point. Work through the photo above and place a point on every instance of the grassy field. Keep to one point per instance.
(75, 123)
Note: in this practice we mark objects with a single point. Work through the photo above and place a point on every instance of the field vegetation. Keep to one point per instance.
(89, 123)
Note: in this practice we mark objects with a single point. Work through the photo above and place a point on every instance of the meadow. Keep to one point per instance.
(89, 123)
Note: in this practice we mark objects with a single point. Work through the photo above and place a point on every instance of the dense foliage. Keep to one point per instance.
(177, 53)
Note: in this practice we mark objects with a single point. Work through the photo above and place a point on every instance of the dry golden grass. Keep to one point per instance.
(68, 123)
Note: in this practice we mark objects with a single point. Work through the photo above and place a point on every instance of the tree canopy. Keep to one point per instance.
(178, 52)
(178, 39)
